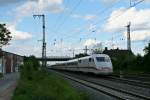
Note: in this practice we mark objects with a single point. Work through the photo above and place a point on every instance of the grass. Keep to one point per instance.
(45, 86)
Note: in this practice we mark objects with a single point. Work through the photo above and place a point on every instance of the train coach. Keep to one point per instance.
(95, 63)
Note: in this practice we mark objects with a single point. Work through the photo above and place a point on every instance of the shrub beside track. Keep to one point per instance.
(40, 85)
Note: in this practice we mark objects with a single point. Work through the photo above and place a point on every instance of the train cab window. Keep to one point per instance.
(107, 59)
(100, 59)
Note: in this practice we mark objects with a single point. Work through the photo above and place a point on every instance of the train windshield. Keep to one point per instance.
(102, 59)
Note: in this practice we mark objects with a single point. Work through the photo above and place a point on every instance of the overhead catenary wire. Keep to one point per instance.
(60, 16)
(104, 10)
(65, 19)
(135, 3)
(119, 14)
(99, 12)
(98, 22)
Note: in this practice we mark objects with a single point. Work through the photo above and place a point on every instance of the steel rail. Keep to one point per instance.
(131, 82)
(117, 93)
(120, 90)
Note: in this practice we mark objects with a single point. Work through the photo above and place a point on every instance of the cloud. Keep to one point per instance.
(90, 17)
(8, 2)
(139, 19)
(85, 17)
(139, 35)
(29, 8)
(25, 49)
(91, 0)
(39, 6)
(147, 1)
(108, 2)
(18, 35)
(76, 16)
(143, 1)
(90, 42)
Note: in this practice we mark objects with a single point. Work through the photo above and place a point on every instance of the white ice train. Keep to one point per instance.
(96, 63)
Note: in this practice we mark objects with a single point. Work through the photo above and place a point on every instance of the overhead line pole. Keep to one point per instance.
(128, 37)
(44, 43)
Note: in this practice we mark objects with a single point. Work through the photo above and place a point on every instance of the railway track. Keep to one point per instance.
(139, 77)
(121, 80)
(104, 87)
(131, 82)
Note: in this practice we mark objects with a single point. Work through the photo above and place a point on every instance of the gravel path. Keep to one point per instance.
(8, 85)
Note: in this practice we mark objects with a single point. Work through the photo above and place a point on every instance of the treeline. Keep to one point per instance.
(131, 62)
(80, 55)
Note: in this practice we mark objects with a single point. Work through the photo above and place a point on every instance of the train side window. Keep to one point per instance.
(90, 59)
(79, 61)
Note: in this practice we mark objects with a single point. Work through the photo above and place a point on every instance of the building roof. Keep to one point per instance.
(1, 53)
(116, 52)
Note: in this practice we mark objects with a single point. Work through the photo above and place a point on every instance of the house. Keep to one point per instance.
(117, 52)
(9, 62)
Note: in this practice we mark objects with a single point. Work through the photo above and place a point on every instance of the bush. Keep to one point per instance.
(46, 86)
(31, 65)
(40, 85)
(122, 62)
(130, 62)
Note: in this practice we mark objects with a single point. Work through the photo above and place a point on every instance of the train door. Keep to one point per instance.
(91, 60)
(91, 64)
(79, 64)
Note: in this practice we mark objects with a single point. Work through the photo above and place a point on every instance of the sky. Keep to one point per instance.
(73, 24)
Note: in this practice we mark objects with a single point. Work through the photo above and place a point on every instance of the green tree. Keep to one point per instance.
(139, 60)
(81, 55)
(147, 49)
(5, 36)
(147, 57)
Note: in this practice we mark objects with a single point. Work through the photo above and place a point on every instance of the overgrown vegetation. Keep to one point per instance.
(81, 55)
(5, 36)
(130, 62)
(38, 84)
